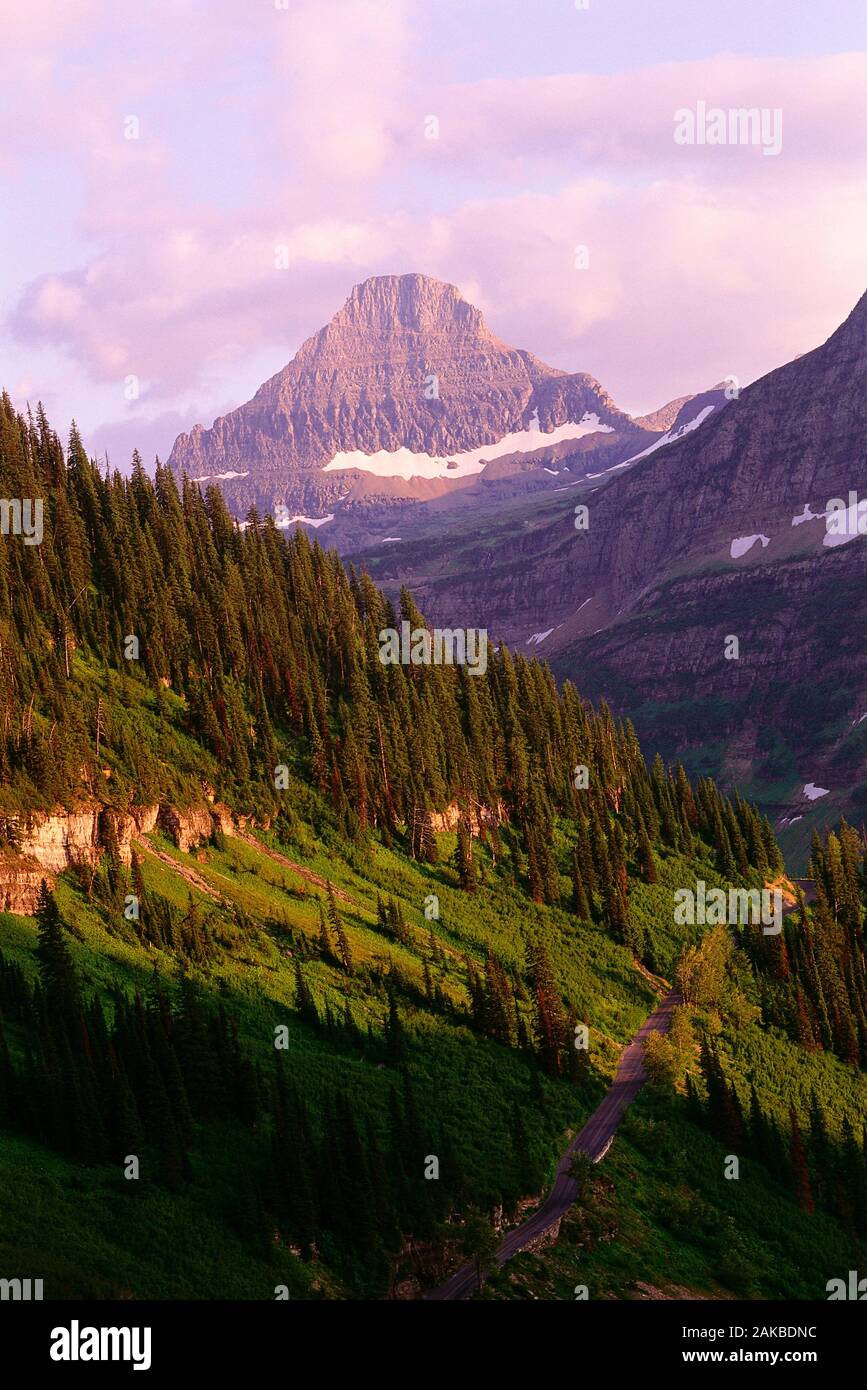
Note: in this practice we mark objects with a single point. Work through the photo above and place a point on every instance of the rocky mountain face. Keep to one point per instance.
(406, 364)
(665, 416)
(676, 415)
(721, 534)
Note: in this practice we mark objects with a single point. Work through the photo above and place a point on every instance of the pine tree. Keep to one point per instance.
(580, 901)
(304, 1001)
(324, 935)
(343, 950)
(464, 864)
(646, 861)
(798, 1163)
(550, 1020)
(479, 1242)
(56, 970)
(429, 849)
(395, 1044)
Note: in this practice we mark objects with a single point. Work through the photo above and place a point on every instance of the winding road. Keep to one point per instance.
(594, 1140)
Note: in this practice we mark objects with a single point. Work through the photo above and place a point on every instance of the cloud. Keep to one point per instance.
(176, 308)
(682, 288)
(345, 70)
(41, 29)
(300, 133)
(526, 127)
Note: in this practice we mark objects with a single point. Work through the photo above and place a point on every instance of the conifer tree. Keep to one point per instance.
(56, 970)
(798, 1161)
(324, 934)
(580, 902)
(395, 1044)
(646, 861)
(464, 864)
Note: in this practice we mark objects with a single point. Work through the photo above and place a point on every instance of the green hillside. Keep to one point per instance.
(336, 1040)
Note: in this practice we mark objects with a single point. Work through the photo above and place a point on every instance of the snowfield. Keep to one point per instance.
(310, 520)
(219, 477)
(812, 792)
(807, 515)
(742, 544)
(670, 436)
(403, 463)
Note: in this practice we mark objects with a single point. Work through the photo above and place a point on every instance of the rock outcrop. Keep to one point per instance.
(480, 817)
(50, 842)
(186, 828)
(20, 881)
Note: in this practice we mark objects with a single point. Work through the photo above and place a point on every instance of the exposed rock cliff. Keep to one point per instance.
(480, 817)
(50, 842)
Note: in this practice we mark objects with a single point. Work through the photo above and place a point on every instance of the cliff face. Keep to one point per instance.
(50, 842)
(20, 880)
(364, 383)
(717, 541)
(479, 818)
(189, 827)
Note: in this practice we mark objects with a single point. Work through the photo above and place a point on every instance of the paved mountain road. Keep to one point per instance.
(594, 1139)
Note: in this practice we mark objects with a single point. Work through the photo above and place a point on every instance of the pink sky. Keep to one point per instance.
(304, 128)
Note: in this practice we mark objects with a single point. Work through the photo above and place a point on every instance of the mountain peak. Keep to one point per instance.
(413, 288)
(406, 364)
(418, 303)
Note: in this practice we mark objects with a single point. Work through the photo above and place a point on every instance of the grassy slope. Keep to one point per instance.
(164, 1246)
(106, 1238)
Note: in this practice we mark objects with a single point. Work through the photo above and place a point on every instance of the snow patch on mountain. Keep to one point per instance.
(308, 520)
(807, 515)
(613, 469)
(812, 792)
(403, 463)
(670, 436)
(219, 477)
(742, 544)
